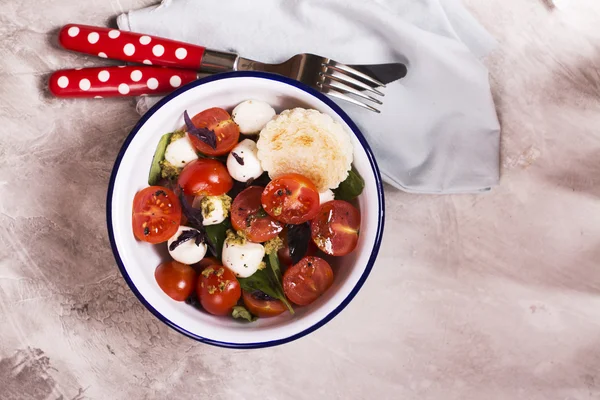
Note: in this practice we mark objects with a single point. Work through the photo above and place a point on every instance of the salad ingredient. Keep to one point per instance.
(262, 305)
(291, 198)
(156, 214)
(168, 170)
(351, 187)
(243, 163)
(219, 121)
(205, 177)
(204, 135)
(216, 235)
(248, 216)
(159, 155)
(180, 152)
(262, 281)
(240, 312)
(218, 290)
(273, 245)
(187, 245)
(335, 228)
(252, 115)
(214, 208)
(304, 282)
(243, 257)
(326, 196)
(177, 280)
(307, 142)
(298, 239)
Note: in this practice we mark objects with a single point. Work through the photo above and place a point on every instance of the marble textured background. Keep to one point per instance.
(493, 296)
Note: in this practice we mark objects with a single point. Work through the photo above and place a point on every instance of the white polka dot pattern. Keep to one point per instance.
(114, 34)
(136, 75)
(145, 39)
(103, 75)
(158, 50)
(152, 83)
(147, 62)
(175, 81)
(85, 84)
(63, 82)
(123, 88)
(180, 53)
(93, 37)
(102, 55)
(73, 31)
(129, 49)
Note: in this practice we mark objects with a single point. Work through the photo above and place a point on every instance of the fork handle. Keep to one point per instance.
(119, 81)
(145, 49)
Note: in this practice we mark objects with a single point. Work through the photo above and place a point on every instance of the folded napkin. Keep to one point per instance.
(438, 131)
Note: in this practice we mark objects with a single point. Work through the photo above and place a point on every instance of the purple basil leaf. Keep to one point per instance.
(186, 236)
(195, 220)
(205, 135)
(298, 237)
(239, 159)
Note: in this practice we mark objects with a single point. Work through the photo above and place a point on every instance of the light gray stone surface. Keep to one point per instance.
(493, 296)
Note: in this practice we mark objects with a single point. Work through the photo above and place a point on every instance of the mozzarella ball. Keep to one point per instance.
(246, 165)
(252, 115)
(180, 152)
(214, 208)
(326, 196)
(243, 259)
(187, 252)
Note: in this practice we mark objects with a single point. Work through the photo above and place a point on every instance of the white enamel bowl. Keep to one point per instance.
(137, 260)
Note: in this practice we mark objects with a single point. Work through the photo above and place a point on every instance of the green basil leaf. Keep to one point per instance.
(351, 187)
(159, 154)
(277, 279)
(242, 313)
(217, 234)
(258, 281)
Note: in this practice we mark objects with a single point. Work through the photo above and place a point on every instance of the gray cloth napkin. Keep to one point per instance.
(438, 131)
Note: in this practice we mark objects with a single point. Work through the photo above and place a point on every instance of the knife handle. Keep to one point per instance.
(130, 47)
(119, 81)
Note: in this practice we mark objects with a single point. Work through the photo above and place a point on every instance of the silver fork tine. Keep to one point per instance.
(347, 89)
(348, 80)
(342, 67)
(335, 93)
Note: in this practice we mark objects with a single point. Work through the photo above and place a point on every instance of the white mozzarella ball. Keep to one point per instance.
(248, 165)
(326, 196)
(187, 252)
(213, 210)
(180, 152)
(252, 116)
(243, 259)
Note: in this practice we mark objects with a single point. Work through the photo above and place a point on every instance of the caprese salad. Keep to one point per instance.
(253, 207)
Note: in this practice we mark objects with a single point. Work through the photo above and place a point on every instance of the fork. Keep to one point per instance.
(321, 73)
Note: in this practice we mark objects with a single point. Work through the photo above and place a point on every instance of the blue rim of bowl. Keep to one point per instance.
(347, 120)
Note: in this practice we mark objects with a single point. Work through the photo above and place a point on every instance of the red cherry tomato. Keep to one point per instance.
(284, 252)
(304, 282)
(261, 305)
(205, 176)
(248, 216)
(335, 228)
(291, 198)
(218, 289)
(156, 214)
(206, 262)
(177, 280)
(219, 121)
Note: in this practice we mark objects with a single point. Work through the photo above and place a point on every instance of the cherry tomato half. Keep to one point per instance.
(291, 198)
(177, 280)
(335, 228)
(218, 290)
(248, 216)
(304, 282)
(156, 214)
(284, 252)
(261, 305)
(205, 176)
(219, 121)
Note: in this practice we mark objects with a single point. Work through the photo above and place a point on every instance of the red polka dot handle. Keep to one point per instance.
(119, 81)
(130, 47)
